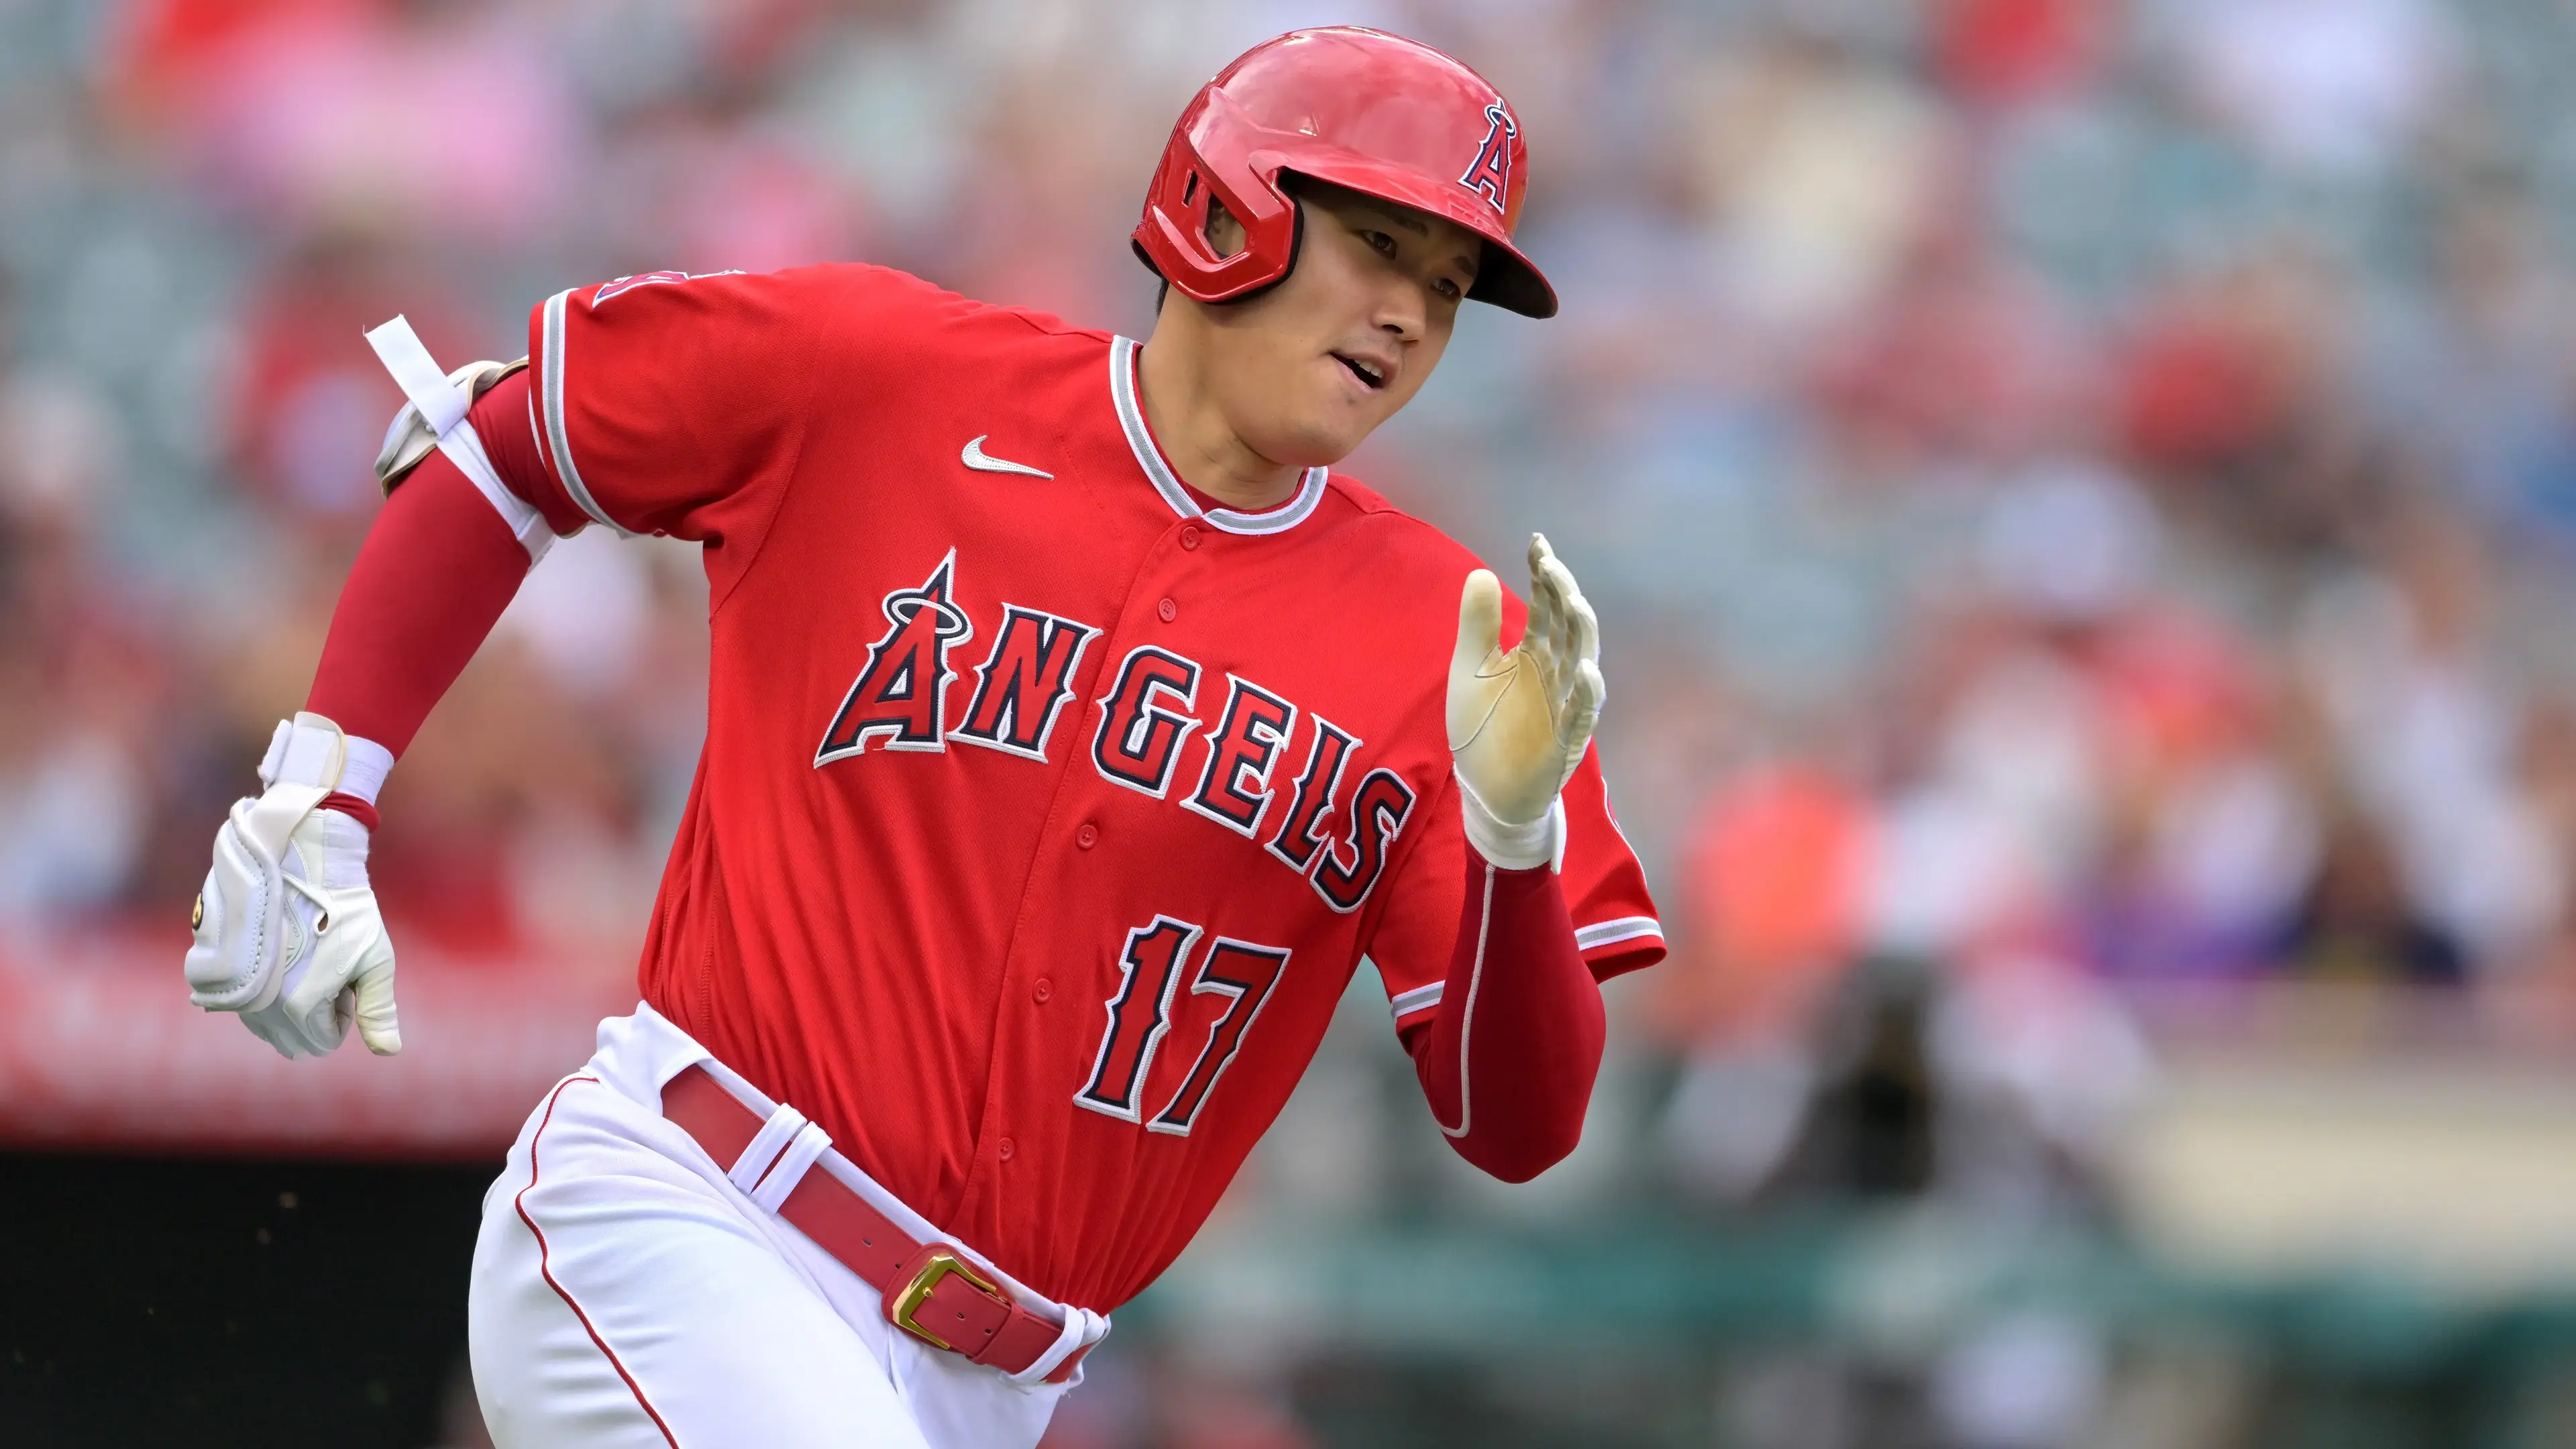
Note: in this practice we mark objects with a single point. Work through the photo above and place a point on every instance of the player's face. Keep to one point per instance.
(1310, 368)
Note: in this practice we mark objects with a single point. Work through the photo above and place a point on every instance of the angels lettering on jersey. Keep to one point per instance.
(1148, 713)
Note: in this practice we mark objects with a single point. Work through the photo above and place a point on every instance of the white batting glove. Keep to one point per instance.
(287, 930)
(1519, 721)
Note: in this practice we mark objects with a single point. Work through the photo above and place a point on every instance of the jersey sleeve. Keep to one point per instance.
(675, 404)
(1615, 926)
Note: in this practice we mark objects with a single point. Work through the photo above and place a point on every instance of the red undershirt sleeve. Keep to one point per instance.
(437, 569)
(1508, 1059)
(505, 418)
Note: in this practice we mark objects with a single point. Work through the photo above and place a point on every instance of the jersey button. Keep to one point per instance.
(1189, 537)
(1004, 1149)
(1088, 836)
(1042, 990)
(1168, 610)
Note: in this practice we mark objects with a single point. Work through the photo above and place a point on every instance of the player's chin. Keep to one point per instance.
(1319, 442)
(1329, 429)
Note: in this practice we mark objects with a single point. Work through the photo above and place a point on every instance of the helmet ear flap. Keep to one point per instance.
(1213, 156)
(1296, 244)
(1173, 241)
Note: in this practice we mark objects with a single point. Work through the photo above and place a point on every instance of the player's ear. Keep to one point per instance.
(1225, 235)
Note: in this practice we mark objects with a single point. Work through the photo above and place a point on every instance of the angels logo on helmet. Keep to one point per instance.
(1491, 171)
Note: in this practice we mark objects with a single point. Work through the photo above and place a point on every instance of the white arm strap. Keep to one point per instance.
(441, 403)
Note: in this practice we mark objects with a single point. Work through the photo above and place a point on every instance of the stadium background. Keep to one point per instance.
(2079, 494)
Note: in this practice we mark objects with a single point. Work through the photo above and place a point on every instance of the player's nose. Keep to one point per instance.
(1402, 310)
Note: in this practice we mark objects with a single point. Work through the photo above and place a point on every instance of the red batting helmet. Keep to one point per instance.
(1359, 108)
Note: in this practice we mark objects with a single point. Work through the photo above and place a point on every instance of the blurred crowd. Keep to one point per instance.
(2079, 492)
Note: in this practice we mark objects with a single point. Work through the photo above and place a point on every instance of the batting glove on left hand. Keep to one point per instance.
(1520, 720)
(287, 932)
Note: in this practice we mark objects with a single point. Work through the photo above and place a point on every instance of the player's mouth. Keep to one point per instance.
(1372, 374)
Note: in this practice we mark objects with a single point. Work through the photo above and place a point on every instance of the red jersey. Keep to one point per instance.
(1044, 813)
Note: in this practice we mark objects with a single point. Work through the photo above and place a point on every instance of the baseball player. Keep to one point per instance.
(1073, 733)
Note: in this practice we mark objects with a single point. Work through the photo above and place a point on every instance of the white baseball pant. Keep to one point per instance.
(627, 1293)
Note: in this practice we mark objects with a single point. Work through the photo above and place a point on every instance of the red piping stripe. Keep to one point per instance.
(545, 1267)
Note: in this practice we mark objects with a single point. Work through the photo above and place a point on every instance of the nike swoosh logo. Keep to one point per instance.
(974, 456)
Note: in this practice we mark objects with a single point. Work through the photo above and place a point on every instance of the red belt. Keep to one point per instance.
(932, 1291)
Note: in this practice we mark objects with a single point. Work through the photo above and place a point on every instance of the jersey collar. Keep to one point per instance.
(1131, 421)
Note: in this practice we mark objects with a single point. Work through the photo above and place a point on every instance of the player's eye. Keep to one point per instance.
(1449, 290)
(1384, 244)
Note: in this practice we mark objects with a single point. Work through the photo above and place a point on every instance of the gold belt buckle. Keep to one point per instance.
(941, 1265)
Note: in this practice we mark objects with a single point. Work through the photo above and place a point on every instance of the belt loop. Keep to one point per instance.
(1082, 1328)
(811, 1143)
(774, 1134)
